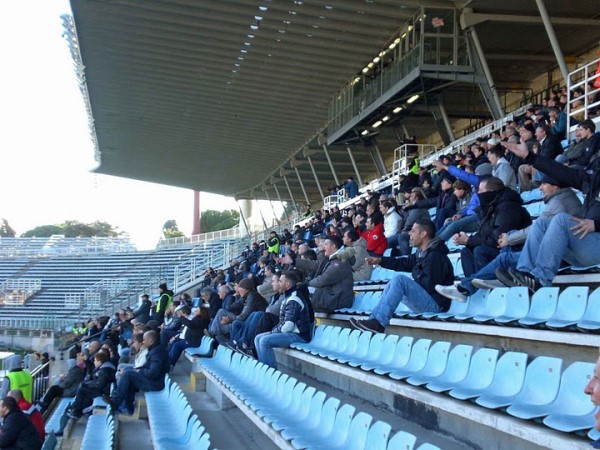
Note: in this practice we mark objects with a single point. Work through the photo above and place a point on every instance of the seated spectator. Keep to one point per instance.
(501, 167)
(374, 235)
(137, 356)
(142, 312)
(429, 266)
(17, 431)
(558, 199)
(149, 377)
(574, 239)
(479, 156)
(226, 295)
(360, 269)
(67, 384)
(16, 378)
(249, 301)
(191, 334)
(584, 147)
(444, 202)
(414, 213)
(548, 146)
(500, 211)
(30, 411)
(558, 122)
(211, 300)
(97, 385)
(172, 324)
(333, 281)
(295, 321)
(243, 333)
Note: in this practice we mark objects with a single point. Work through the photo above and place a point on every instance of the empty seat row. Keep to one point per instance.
(300, 413)
(185, 430)
(572, 309)
(99, 432)
(537, 390)
(205, 349)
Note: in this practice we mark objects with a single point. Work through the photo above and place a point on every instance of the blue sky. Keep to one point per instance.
(45, 150)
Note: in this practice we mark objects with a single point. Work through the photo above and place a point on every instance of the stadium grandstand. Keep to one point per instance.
(438, 161)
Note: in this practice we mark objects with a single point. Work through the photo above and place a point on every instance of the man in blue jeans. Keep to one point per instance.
(149, 377)
(295, 320)
(429, 266)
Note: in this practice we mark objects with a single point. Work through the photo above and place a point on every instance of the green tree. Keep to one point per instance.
(171, 230)
(219, 220)
(6, 230)
(74, 228)
(43, 231)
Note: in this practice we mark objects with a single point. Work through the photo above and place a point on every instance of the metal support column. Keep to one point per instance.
(358, 177)
(490, 94)
(261, 215)
(290, 192)
(553, 41)
(377, 158)
(302, 186)
(442, 122)
(272, 208)
(281, 201)
(312, 168)
(335, 177)
(243, 218)
(405, 130)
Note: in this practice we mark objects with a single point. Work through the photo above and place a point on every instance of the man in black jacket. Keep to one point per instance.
(500, 211)
(96, 386)
(17, 431)
(550, 240)
(429, 266)
(142, 312)
(192, 333)
(149, 377)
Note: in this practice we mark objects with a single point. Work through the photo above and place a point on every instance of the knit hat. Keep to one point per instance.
(246, 284)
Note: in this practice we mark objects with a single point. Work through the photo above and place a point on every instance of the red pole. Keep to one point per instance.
(196, 223)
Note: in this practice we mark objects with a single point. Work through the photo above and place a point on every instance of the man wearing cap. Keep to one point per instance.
(558, 198)
(163, 303)
(251, 301)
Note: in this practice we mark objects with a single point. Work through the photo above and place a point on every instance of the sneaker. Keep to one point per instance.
(525, 279)
(451, 292)
(487, 284)
(371, 325)
(505, 278)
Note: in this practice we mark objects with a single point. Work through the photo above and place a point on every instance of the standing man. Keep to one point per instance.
(163, 303)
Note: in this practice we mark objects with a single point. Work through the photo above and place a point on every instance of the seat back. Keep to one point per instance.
(388, 348)
(510, 374)
(418, 355)
(341, 426)
(517, 302)
(402, 440)
(341, 342)
(357, 434)
(437, 358)
(305, 402)
(459, 360)
(378, 435)
(351, 343)
(362, 348)
(371, 301)
(375, 346)
(542, 381)
(328, 415)
(572, 303)
(496, 302)
(403, 351)
(592, 312)
(476, 305)
(571, 400)
(316, 409)
(543, 304)
(482, 369)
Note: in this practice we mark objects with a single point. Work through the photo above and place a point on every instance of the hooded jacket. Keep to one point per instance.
(101, 379)
(499, 212)
(428, 267)
(360, 269)
(376, 241)
(13, 364)
(505, 172)
(333, 281)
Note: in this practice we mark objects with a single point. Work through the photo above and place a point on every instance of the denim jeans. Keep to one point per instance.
(504, 260)
(475, 259)
(176, 349)
(405, 290)
(266, 342)
(550, 240)
(404, 243)
(219, 330)
(256, 323)
(468, 224)
(132, 380)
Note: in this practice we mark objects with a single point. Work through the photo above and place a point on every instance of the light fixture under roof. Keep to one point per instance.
(329, 7)
(254, 27)
(397, 109)
(244, 50)
(263, 8)
(251, 36)
(258, 18)
(365, 70)
(376, 59)
(377, 124)
(414, 98)
(386, 118)
(364, 132)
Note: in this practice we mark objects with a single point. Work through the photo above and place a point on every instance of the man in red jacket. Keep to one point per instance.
(376, 241)
(30, 411)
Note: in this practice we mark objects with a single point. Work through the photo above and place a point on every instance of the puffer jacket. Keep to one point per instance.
(376, 241)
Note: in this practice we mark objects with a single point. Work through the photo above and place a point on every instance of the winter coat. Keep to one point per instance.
(376, 241)
(101, 379)
(391, 223)
(252, 302)
(505, 172)
(428, 267)
(74, 377)
(17, 432)
(156, 367)
(499, 212)
(360, 269)
(294, 316)
(142, 312)
(194, 329)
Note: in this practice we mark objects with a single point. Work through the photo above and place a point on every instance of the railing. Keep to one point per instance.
(17, 291)
(41, 381)
(33, 324)
(401, 156)
(231, 233)
(578, 108)
(57, 245)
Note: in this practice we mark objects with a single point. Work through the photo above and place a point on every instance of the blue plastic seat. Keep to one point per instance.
(570, 401)
(417, 361)
(370, 302)
(475, 306)
(535, 209)
(348, 348)
(288, 406)
(358, 298)
(543, 305)
(509, 371)
(437, 360)
(378, 435)
(428, 446)
(372, 353)
(542, 379)
(307, 436)
(402, 440)
(385, 354)
(318, 407)
(335, 345)
(402, 310)
(571, 306)
(400, 357)
(264, 401)
(331, 341)
(362, 348)
(205, 348)
(321, 336)
(480, 373)
(456, 307)
(591, 318)
(495, 305)
(516, 307)
(594, 434)
(282, 401)
(302, 409)
(456, 369)
(53, 424)
(356, 435)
